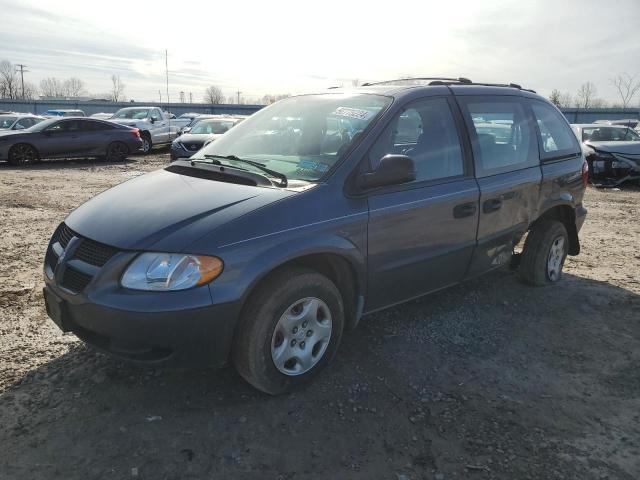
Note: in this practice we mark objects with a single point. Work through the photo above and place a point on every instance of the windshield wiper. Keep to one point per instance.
(260, 166)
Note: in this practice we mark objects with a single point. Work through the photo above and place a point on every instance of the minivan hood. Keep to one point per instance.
(166, 211)
(625, 148)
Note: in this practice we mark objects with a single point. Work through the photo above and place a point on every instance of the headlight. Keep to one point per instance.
(170, 271)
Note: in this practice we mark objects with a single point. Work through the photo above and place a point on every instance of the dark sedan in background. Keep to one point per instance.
(69, 138)
(201, 132)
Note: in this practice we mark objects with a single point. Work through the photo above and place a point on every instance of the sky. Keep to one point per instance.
(277, 47)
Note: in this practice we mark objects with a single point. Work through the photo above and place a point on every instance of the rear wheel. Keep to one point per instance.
(289, 331)
(544, 253)
(117, 151)
(23, 153)
(146, 143)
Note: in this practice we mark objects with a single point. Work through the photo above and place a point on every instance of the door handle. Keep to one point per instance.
(492, 205)
(464, 210)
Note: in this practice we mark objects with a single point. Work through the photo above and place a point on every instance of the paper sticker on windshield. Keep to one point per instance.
(311, 165)
(353, 113)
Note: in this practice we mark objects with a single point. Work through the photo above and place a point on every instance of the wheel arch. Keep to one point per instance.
(338, 267)
(565, 214)
(25, 143)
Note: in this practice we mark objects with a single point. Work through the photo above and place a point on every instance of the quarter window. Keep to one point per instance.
(503, 137)
(426, 132)
(556, 137)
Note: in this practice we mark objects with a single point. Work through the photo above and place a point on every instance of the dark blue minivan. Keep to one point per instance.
(271, 241)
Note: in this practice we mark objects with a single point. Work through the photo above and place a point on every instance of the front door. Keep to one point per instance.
(421, 235)
(505, 150)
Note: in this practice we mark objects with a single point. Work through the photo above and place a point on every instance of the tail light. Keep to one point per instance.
(136, 132)
(585, 172)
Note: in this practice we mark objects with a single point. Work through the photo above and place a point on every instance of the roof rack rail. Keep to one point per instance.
(408, 79)
(450, 81)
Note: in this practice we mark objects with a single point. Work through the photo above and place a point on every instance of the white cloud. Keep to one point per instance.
(287, 46)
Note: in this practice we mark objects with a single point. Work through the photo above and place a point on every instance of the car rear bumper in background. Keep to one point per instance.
(199, 336)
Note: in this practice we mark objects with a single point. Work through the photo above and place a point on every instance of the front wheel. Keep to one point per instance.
(544, 253)
(289, 331)
(147, 145)
(22, 153)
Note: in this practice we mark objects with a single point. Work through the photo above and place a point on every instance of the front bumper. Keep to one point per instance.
(181, 328)
(178, 151)
(184, 338)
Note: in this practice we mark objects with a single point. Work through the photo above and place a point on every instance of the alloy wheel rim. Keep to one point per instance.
(301, 336)
(23, 154)
(555, 259)
(145, 145)
(118, 151)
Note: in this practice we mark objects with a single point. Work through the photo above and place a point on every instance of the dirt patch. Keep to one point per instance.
(489, 379)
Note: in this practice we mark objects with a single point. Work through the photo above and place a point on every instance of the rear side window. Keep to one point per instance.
(556, 137)
(503, 139)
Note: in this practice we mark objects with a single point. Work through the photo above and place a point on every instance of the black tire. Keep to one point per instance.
(22, 154)
(147, 144)
(257, 332)
(117, 152)
(537, 267)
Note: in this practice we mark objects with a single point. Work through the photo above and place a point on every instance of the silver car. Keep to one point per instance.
(18, 121)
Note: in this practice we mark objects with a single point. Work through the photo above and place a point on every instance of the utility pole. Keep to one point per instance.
(21, 68)
(166, 69)
(238, 94)
(190, 97)
(160, 93)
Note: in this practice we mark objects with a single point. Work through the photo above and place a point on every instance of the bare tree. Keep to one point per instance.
(73, 88)
(9, 83)
(268, 99)
(555, 97)
(627, 86)
(213, 95)
(585, 96)
(231, 99)
(117, 89)
(30, 91)
(51, 87)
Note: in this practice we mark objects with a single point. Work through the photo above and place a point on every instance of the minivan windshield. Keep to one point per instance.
(301, 137)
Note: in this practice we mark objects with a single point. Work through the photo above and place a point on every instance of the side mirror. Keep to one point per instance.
(153, 119)
(186, 130)
(392, 170)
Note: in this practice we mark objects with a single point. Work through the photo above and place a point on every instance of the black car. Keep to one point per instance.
(69, 138)
(272, 240)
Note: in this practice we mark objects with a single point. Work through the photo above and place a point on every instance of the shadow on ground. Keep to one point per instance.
(489, 379)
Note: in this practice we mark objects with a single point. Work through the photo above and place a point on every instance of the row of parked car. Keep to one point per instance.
(26, 138)
(612, 147)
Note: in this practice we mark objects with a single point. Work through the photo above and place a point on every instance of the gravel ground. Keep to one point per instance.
(489, 379)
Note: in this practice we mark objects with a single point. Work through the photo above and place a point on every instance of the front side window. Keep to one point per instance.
(301, 137)
(426, 132)
(68, 126)
(556, 137)
(503, 137)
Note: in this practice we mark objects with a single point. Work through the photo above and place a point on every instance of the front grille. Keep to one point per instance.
(64, 235)
(51, 258)
(94, 253)
(75, 280)
(86, 250)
